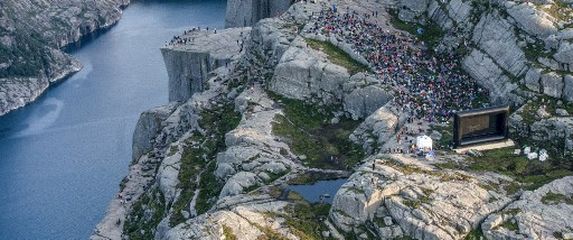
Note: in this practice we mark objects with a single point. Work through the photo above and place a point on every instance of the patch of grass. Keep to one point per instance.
(432, 34)
(312, 177)
(409, 169)
(228, 233)
(448, 165)
(552, 198)
(475, 234)
(200, 155)
(512, 188)
(172, 150)
(509, 225)
(209, 190)
(559, 10)
(139, 224)
(529, 113)
(534, 51)
(274, 176)
(446, 142)
(192, 162)
(512, 211)
(305, 220)
(269, 234)
(532, 174)
(307, 130)
(275, 191)
(337, 56)
(416, 203)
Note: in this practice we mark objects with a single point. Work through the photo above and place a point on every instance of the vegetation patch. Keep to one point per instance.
(529, 113)
(28, 56)
(509, 225)
(198, 159)
(269, 234)
(337, 56)
(228, 233)
(534, 51)
(531, 173)
(307, 130)
(313, 177)
(552, 198)
(306, 220)
(209, 190)
(145, 215)
(416, 203)
(475, 234)
(446, 141)
(559, 10)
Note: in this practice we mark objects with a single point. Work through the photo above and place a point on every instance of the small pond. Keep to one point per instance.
(312, 192)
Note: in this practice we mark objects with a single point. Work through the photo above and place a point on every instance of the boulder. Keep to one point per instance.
(532, 79)
(552, 84)
(379, 126)
(495, 36)
(532, 20)
(362, 102)
(565, 52)
(148, 126)
(489, 75)
(568, 88)
(244, 13)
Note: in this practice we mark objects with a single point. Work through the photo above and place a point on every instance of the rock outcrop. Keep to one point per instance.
(188, 65)
(400, 196)
(306, 74)
(148, 127)
(541, 214)
(245, 13)
(31, 34)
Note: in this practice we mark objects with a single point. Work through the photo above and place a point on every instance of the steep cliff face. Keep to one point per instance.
(191, 57)
(31, 34)
(243, 13)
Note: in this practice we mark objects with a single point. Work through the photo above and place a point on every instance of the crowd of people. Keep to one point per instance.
(184, 40)
(427, 85)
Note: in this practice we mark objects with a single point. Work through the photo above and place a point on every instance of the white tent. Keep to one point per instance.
(424, 143)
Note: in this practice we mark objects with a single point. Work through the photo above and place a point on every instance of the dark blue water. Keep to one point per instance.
(312, 192)
(62, 157)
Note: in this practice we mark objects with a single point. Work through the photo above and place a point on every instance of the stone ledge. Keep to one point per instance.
(486, 146)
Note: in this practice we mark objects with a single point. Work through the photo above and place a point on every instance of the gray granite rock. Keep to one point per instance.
(532, 79)
(565, 52)
(489, 75)
(148, 127)
(244, 13)
(568, 88)
(532, 20)
(552, 84)
(418, 198)
(495, 36)
(534, 216)
(188, 65)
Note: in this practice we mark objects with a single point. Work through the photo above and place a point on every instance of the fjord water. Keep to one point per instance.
(62, 157)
